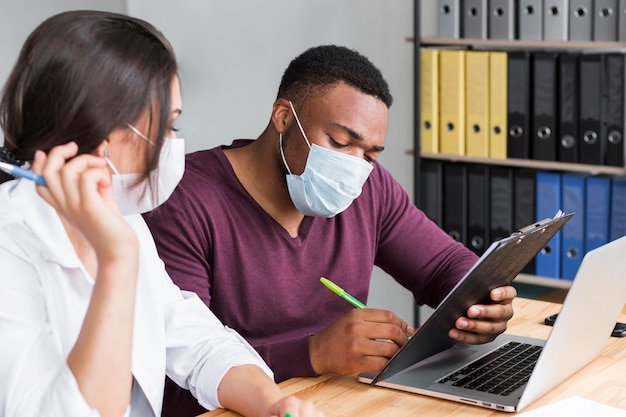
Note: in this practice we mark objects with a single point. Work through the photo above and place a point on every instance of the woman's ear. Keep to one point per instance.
(281, 113)
(100, 150)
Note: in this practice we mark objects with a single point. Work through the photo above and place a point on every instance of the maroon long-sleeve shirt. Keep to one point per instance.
(218, 242)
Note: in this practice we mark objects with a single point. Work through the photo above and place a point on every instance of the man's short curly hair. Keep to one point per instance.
(322, 67)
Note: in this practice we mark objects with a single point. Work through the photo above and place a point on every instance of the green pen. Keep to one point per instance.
(341, 293)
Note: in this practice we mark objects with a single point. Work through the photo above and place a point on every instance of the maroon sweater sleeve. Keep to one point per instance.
(414, 250)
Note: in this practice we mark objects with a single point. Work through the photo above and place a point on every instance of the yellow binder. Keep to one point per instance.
(477, 103)
(452, 102)
(429, 100)
(498, 111)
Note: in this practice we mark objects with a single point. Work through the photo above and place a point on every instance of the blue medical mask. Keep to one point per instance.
(331, 180)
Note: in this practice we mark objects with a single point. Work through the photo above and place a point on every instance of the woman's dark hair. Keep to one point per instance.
(82, 74)
(324, 66)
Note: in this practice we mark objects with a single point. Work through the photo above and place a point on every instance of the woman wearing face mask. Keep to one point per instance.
(90, 323)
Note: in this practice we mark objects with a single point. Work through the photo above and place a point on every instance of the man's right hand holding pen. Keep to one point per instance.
(359, 341)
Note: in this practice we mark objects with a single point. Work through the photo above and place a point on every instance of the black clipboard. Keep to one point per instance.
(497, 267)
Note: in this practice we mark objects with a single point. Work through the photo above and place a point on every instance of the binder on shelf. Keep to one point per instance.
(548, 202)
(475, 19)
(555, 20)
(449, 19)
(452, 102)
(591, 147)
(524, 204)
(519, 84)
(477, 103)
(498, 104)
(429, 100)
(454, 201)
(501, 202)
(581, 20)
(621, 21)
(530, 18)
(544, 121)
(501, 19)
(431, 186)
(597, 212)
(615, 85)
(478, 208)
(618, 208)
(573, 236)
(567, 144)
(605, 20)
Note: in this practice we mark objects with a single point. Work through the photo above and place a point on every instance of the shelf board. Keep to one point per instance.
(529, 163)
(543, 281)
(525, 45)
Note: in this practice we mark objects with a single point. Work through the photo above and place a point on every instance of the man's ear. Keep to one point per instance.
(281, 114)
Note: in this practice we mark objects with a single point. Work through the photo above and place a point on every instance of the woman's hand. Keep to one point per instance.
(294, 407)
(79, 188)
(247, 390)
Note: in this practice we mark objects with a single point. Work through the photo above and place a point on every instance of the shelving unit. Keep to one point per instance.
(508, 46)
(512, 45)
(529, 163)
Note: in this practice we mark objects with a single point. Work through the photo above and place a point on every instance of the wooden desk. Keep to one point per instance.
(603, 380)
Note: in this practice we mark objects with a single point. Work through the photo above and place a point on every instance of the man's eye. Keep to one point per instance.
(337, 144)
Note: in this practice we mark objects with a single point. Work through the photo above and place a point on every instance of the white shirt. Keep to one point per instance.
(44, 294)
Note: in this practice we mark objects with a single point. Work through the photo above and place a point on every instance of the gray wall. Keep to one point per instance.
(19, 17)
(232, 54)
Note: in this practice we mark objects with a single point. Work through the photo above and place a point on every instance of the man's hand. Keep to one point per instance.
(362, 340)
(484, 322)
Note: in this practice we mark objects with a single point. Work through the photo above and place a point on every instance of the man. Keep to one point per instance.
(253, 226)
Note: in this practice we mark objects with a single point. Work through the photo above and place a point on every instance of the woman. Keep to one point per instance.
(90, 323)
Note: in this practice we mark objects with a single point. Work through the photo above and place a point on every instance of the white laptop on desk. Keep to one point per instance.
(583, 327)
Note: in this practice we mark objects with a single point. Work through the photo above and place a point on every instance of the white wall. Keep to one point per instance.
(20, 17)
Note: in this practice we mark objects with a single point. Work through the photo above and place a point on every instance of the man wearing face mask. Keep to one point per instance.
(254, 225)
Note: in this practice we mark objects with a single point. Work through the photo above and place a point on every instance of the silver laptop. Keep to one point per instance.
(469, 373)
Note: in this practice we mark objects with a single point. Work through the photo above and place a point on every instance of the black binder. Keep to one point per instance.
(478, 208)
(518, 104)
(431, 185)
(501, 202)
(614, 114)
(544, 121)
(455, 201)
(591, 149)
(524, 204)
(567, 144)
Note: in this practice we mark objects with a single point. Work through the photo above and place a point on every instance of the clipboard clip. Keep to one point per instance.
(539, 224)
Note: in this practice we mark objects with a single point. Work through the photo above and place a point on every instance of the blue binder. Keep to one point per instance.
(548, 202)
(572, 234)
(597, 212)
(618, 208)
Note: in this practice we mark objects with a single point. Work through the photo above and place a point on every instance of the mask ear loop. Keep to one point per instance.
(299, 125)
(141, 135)
(108, 161)
(282, 154)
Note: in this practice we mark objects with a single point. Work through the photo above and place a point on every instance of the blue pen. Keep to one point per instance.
(22, 173)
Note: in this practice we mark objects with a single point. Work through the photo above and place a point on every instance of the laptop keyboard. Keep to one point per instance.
(501, 371)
